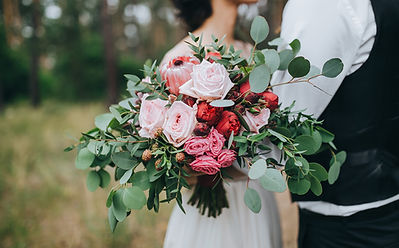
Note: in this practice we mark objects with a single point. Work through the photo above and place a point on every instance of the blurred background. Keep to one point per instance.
(61, 63)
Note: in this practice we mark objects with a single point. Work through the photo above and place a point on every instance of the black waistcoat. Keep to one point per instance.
(364, 116)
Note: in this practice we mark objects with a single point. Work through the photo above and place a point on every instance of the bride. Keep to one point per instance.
(237, 226)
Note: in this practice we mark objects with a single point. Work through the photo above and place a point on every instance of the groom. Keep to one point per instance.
(362, 208)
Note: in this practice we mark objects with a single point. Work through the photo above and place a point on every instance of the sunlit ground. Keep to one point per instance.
(44, 201)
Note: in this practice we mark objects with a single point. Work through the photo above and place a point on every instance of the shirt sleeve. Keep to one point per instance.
(326, 29)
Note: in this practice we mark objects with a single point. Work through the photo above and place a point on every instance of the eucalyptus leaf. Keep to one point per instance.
(259, 78)
(285, 58)
(84, 159)
(276, 42)
(110, 198)
(252, 200)
(277, 135)
(134, 198)
(332, 68)
(112, 220)
(116, 114)
(318, 171)
(310, 144)
(333, 172)
(123, 160)
(126, 176)
(298, 186)
(315, 185)
(257, 169)
(140, 179)
(105, 178)
(93, 181)
(272, 59)
(299, 67)
(296, 46)
(132, 78)
(259, 29)
(273, 180)
(118, 207)
(222, 103)
(230, 142)
(102, 121)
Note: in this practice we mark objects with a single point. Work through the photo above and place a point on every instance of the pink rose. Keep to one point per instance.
(226, 157)
(209, 81)
(205, 164)
(216, 142)
(180, 123)
(255, 122)
(152, 116)
(177, 72)
(196, 146)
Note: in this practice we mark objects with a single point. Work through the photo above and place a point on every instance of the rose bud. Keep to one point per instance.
(180, 157)
(245, 91)
(215, 55)
(207, 113)
(147, 154)
(228, 123)
(255, 110)
(190, 101)
(240, 109)
(234, 93)
(157, 164)
(158, 132)
(177, 71)
(201, 129)
(270, 99)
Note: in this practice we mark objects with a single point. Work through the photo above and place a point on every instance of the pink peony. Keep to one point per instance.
(205, 164)
(177, 72)
(226, 157)
(255, 122)
(152, 116)
(209, 81)
(196, 146)
(216, 142)
(180, 123)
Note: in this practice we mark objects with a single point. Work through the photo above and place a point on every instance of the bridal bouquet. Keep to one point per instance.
(202, 114)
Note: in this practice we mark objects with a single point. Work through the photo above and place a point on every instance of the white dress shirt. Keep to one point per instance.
(327, 29)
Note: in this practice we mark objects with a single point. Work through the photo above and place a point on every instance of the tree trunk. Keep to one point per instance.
(12, 22)
(110, 58)
(34, 51)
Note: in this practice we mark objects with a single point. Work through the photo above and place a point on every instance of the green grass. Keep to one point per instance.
(44, 201)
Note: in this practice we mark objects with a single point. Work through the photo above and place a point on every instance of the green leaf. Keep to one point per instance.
(116, 114)
(310, 144)
(332, 68)
(298, 186)
(222, 103)
(132, 78)
(285, 58)
(110, 198)
(134, 198)
(259, 78)
(277, 135)
(140, 179)
(118, 207)
(333, 172)
(326, 136)
(341, 157)
(296, 46)
(273, 180)
(299, 67)
(126, 176)
(112, 220)
(123, 160)
(102, 121)
(257, 169)
(315, 186)
(93, 181)
(259, 29)
(240, 139)
(84, 159)
(105, 178)
(252, 200)
(272, 59)
(125, 103)
(318, 171)
(276, 42)
(230, 142)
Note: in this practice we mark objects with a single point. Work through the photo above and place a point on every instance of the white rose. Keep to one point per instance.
(209, 81)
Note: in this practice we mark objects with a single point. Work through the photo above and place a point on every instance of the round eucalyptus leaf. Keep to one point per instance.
(341, 157)
(222, 103)
(118, 207)
(259, 29)
(257, 169)
(299, 67)
(93, 181)
(333, 172)
(252, 200)
(125, 178)
(272, 59)
(276, 42)
(298, 186)
(318, 171)
(326, 136)
(102, 121)
(125, 103)
(84, 159)
(296, 46)
(105, 178)
(315, 185)
(123, 160)
(141, 179)
(134, 198)
(310, 144)
(332, 68)
(259, 78)
(285, 58)
(273, 180)
(112, 220)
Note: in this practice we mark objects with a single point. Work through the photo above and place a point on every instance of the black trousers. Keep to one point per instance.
(372, 228)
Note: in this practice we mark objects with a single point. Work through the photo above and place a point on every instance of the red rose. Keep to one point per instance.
(228, 123)
(216, 143)
(207, 113)
(212, 54)
(190, 101)
(245, 91)
(205, 164)
(226, 157)
(270, 99)
(234, 94)
(201, 129)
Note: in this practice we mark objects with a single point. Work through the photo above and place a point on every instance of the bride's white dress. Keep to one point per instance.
(236, 227)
